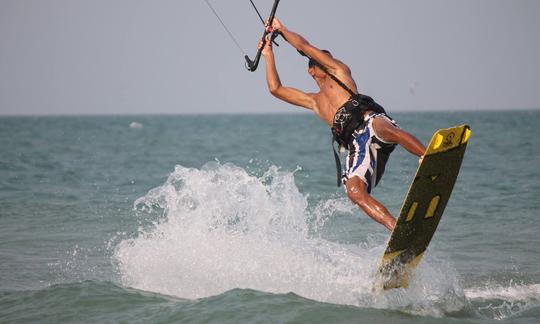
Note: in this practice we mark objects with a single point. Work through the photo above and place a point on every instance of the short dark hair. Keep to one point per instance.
(312, 62)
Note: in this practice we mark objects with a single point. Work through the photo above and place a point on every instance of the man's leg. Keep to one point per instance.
(357, 192)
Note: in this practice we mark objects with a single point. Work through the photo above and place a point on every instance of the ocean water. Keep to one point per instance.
(236, 219)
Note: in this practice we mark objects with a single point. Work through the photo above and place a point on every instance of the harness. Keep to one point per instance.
(348, 117)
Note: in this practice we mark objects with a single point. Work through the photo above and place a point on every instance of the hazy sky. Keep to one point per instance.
(173, 56)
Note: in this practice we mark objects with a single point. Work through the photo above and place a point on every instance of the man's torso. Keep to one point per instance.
(330, 98)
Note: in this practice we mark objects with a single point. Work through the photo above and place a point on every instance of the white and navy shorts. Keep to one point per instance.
(368, 154)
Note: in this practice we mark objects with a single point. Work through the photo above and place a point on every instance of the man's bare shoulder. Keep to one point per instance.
(344, 67)
(344, 74)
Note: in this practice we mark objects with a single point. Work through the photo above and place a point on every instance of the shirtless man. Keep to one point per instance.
(359, 124)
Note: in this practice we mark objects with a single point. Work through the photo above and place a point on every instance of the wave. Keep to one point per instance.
(97, 301)
(500, 302)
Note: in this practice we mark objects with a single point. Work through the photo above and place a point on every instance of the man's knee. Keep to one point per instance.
(357, 191)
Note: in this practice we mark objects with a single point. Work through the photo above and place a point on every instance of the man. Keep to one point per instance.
(358, 123)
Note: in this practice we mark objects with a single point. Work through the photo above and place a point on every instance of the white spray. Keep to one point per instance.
(223, 228)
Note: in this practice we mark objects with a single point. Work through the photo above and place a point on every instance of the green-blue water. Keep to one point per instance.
(236, 219)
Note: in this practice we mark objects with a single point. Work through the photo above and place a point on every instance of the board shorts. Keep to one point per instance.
(367, 153)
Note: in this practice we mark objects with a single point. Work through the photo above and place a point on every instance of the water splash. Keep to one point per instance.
(222, 228)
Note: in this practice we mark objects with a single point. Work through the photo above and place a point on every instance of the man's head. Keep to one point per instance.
(314, 67)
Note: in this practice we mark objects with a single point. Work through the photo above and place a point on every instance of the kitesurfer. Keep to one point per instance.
(358, 123)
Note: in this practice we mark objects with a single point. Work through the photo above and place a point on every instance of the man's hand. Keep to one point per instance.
(267, 50)
(276, 24)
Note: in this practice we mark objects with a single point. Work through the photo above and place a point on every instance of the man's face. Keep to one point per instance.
(315, 71)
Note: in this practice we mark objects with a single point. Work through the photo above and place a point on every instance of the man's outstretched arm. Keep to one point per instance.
(288, 94)
(301, 44)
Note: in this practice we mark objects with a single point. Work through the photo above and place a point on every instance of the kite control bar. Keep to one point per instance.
(252, 65)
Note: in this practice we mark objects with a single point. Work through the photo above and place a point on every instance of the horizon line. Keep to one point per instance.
(207, 113)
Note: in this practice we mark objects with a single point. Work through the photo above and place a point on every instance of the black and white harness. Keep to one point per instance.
(348, 118)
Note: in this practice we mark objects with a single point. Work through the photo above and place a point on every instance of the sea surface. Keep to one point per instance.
(237, 219)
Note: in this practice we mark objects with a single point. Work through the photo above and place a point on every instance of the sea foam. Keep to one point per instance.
(223, 228)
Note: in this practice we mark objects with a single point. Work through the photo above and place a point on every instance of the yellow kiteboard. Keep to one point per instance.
(424, 205)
